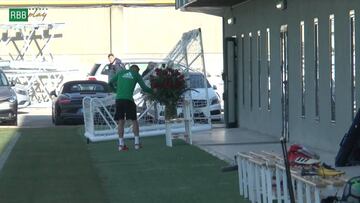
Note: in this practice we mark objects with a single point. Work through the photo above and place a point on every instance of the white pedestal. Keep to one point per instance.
(168, 134)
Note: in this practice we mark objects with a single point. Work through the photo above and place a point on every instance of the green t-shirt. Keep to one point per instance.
(125, 81)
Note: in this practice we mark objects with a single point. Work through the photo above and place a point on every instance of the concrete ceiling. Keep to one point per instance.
(214, 3)
(212, 7)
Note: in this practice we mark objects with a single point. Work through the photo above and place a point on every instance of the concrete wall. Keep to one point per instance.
(90, 33)
(255, 15)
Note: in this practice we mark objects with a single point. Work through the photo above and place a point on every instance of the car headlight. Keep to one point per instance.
(19, 91)
(12, 99)
(214, 100)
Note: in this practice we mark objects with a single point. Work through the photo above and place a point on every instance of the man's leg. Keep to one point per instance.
(119, 115)
(136, 133)
(121, 124)
(133, 117)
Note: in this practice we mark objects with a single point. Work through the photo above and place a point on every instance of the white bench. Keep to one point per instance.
(262, 178)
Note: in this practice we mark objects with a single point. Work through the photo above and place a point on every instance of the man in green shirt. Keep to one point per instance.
(124, 83)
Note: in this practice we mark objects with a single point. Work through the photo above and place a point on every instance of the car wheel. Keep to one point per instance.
(58, 120)
(14, 122)
(53, 117)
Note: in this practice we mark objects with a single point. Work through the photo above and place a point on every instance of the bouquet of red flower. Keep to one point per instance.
(168, 85)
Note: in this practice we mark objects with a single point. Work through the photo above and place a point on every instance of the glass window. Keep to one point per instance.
(250, 71)
(332, 65)
(88, 88)
(3, 80)
(85, 87)
(197, 81)
(243, 67)
(94, 69)
(268, 53)
(352, 63)
(105, 70)
(316, 66)
(258, 51)
(302, 67)
(284, 71)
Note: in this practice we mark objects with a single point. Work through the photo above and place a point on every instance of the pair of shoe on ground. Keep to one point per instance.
(126, 148)
(321, 170)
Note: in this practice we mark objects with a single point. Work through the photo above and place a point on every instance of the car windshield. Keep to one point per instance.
(197, 81)
(3, 80)
(85, 87)
(94, 69)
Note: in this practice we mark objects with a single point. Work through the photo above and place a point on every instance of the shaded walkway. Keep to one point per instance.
(226, 142)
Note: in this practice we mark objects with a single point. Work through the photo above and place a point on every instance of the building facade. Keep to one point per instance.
(291, 67)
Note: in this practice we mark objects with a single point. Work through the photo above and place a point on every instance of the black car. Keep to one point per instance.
(67, 104)
(8, 101)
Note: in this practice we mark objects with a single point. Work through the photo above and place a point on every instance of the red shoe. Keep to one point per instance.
(296, 158)
(306, 161)
(299, 155)
(123, 148)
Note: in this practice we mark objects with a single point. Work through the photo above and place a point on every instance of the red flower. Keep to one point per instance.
(169, 85)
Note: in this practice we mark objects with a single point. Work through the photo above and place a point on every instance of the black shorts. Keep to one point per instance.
(125, 109)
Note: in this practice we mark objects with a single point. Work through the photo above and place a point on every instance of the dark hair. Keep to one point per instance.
(110, 55)
(134, 67)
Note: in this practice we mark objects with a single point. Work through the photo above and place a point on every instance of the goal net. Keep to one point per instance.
(193, 110)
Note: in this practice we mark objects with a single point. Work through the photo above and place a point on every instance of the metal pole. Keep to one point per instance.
(287, 170)
(110, 24)
(205, 78)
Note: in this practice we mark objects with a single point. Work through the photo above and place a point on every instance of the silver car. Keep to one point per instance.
(22, 95)
(8, 101)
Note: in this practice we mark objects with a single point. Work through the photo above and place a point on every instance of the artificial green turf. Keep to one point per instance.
(50, 165)
(157, 173)
(56, 165)
(5, 137)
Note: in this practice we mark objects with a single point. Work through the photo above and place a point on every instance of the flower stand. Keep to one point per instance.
(170, 113)
(168, 134)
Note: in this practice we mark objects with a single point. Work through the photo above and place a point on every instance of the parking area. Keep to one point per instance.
(33, 117)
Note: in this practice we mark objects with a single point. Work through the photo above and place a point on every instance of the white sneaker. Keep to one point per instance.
(123, 148)
(137, 146)
(306, 161)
